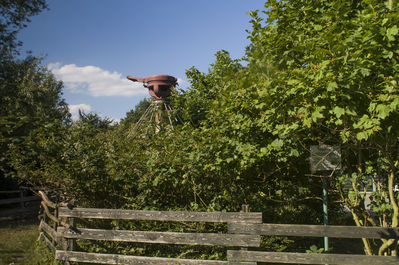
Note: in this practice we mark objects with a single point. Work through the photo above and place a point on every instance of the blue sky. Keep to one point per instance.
(93, 44)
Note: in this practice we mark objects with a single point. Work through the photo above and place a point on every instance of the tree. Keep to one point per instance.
(320, 72)
(335, 81)
(94, 121)
(32, 115)
(32, 111)
(14, 16)
(195, 101)
(239, 151)
(134, 115)
(316, 72)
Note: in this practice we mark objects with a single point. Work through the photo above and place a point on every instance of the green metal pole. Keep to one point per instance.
(325, 212)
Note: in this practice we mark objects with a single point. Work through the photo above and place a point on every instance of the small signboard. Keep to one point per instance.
(325, 157)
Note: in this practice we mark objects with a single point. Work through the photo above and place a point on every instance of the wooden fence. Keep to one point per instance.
(312, 231)
(18, 203)
(244, 233)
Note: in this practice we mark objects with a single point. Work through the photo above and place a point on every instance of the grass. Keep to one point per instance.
(19, 245)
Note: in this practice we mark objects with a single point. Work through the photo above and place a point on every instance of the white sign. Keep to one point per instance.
(325, 157)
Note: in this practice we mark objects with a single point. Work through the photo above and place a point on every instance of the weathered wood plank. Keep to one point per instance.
(19, 199)
(202, 239)
(48, 214)
(48, 229)
(125, 259)
(304, 258)
(242, 263)
(48, 242)
(47, 201)
(217, 217)
(314, 230)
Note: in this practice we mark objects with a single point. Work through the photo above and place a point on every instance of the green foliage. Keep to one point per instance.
(155, 250)
(315, 72)
(32, 115)
(314, 249)
(335, 82)
(14, 16)
(38, 253)
(32, 112)
(30, 90)
(134, 115)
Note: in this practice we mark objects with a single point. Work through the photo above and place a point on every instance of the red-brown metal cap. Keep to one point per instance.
(159, 86)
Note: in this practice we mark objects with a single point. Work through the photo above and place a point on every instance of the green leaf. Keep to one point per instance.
(384, 21)
(332, 86)
(365, 72)
(318, 27)
(372, 106)
(392, 32)
(307, 122)
(294, 152)
(362, 135)
(317, 114)
(338, 111)
(383, 111)
(277, 143)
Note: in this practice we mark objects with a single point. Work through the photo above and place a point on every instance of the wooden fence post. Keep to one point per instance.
(71, 242)
(244, 209)
(53, 240)
(42, 218)
(67, 244)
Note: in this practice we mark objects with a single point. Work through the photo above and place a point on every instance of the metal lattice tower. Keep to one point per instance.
(160, 115)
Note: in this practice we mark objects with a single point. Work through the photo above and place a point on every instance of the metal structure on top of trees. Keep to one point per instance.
(160, 113)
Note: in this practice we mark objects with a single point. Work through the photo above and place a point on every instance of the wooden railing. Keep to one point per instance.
(16, 205)
(311, 231)
(244, 232)
(173, 238)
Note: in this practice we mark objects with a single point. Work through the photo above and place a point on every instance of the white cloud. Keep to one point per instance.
(74, 110)
(95, 81)
(182, 83)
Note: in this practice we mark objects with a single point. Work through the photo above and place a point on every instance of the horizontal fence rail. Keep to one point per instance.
(19, 211)
(62, 236)
(18, 200)
(314, 230)
(9, 191)
(126, 259)
(306, 258)
(176, 238)
(9, 209)
(172, 216)
(244, 235)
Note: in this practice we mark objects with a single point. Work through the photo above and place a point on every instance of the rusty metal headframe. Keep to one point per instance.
(159, 86)
(160, 110)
